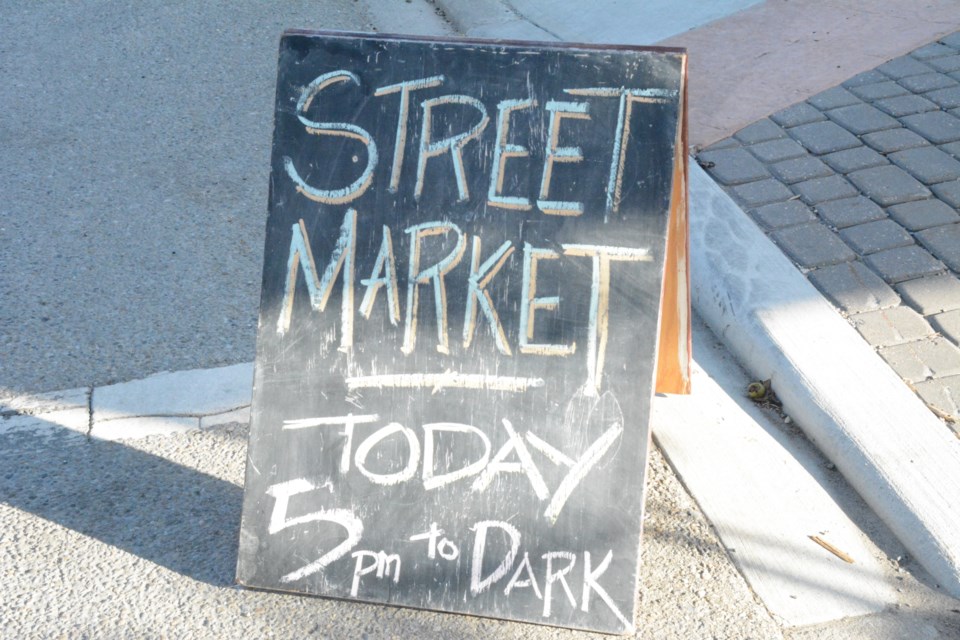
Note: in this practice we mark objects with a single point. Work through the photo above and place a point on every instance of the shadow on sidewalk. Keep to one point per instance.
(177, 517)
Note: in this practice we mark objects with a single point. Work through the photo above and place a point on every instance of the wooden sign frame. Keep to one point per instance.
(474, 253)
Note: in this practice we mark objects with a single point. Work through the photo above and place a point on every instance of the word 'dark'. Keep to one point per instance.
(463, 276)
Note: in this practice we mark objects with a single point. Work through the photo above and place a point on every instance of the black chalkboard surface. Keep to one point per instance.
(458, 327)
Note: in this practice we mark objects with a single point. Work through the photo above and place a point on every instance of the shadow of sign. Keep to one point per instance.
(169, 514)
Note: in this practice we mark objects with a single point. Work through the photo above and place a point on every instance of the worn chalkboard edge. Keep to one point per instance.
(680, 51)
(458, 612)
(675, 331)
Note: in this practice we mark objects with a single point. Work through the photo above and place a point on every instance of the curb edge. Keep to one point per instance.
(838, 390)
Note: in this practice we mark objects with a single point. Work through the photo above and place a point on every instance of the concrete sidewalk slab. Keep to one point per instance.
(142, 427)
(777, 53)
(767, 492)
(196, 392)
(617, 22)
(241, 415)
(47, 414)
(169, 403)
(46, 402)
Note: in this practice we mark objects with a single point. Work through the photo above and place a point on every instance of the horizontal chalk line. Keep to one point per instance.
(437, 381)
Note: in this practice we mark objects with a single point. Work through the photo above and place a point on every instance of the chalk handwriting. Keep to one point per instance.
(341, 263)
(405, 88)
(555, 112)
(504, 151)
(435, 274)
(281, 493)
(550, 569)
(447, 549)
(382, 563)
(478, 582)
(484, 470)
(447, 379)
(545, 302)
(343, 129)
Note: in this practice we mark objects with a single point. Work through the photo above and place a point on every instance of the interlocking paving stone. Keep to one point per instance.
(824, 137)
(876, 236)
(887, 327)
(759, 131)
(948, 323)
(927, 82)
(862, 118)
(867, 77)
(833, 98)
(943, 242)
(812, 245)
(894, 140)
(952, 40)
(933, 50)
(853, 288)
(777, 150)
(936, 126)
(946, 64)
(726, 143)
(733, 166)
(832, 187)
(922, 359)
(903, 263)
(878, 91)
(854, 159)
(948, 98)
(755, 194)
(921, 214)
(887, 137)
(800, 169)
(902, 67)
(934, 294)
(888, 185)
(783, 214)
(905, 105)
(928, 164)
(944, 394)
(800, 113)
(949, 192)
(850, 211)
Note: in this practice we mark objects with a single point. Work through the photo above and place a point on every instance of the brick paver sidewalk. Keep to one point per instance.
(860, 187)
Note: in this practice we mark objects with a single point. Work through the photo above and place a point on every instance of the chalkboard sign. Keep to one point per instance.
(459, 323)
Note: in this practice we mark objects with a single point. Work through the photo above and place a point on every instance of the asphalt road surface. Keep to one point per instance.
(135, 141)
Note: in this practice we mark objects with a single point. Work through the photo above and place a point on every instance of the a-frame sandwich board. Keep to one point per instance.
(474, 252)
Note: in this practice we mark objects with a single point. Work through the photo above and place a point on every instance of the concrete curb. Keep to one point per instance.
(182, 393)
(169, 403)
(161, 404)
(739, 461)
(887, 444)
